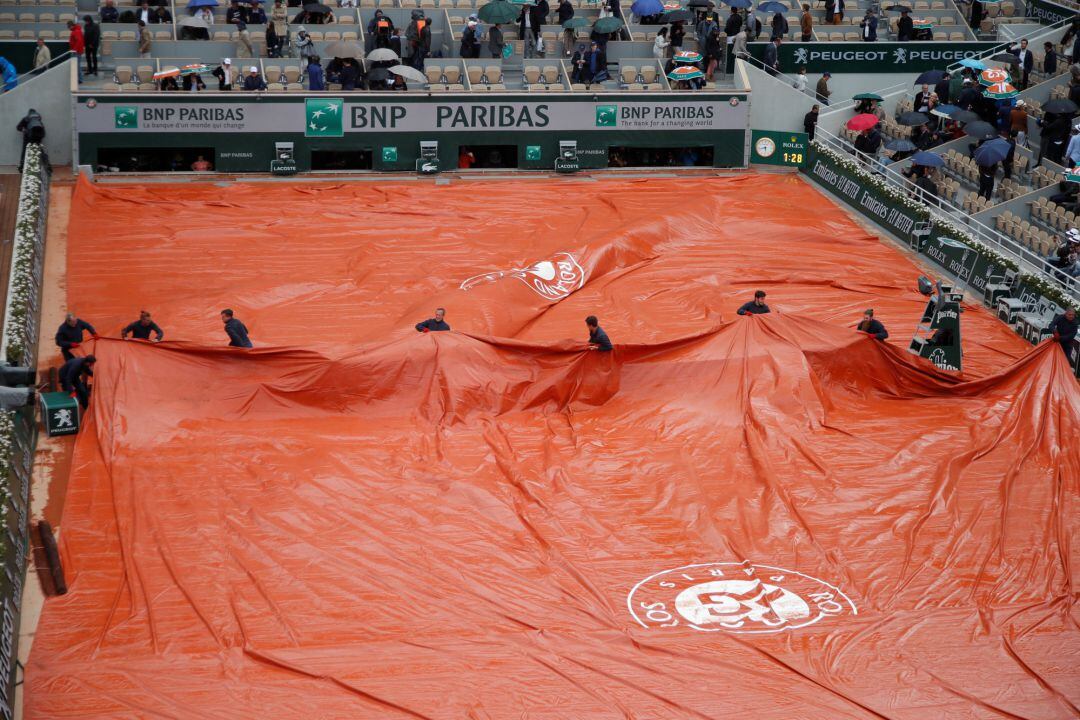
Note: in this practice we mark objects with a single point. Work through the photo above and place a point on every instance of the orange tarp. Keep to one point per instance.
(759, 517)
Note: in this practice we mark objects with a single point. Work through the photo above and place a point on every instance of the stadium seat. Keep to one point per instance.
(456, 87)
(551, 74)
(475, 73)
(27, 17)
(628, 74)
(940, 36)
(127, 36)
(27, 35)
(956, 37)
(122, 74)
(350, 36)
(144, 74)
(452, 74)
(292, 74)
(332, 36)
(45, 17)
(537, 87)
(433, 73)
(950, 20)
(163, 35)
(648, 74)
(7, 34)
(272, 73)
(346, 20)
(275, 87)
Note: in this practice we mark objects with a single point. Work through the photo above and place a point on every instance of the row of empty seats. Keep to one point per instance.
(1054, 216)
(976, 203)
(1041, 177)
(10, 17)
(1028, 235)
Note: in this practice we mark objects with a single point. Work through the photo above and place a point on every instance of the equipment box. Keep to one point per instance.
(60, 413)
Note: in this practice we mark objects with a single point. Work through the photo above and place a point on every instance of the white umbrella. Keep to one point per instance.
(382, 55)
(193, 22)
(409, 73)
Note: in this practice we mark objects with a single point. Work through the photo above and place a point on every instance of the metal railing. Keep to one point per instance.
(940, 208)
(58, 60)
(776, 74)
(1004, 47)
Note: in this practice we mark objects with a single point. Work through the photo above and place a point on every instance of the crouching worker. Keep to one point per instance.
(72, 381)
(870, 326)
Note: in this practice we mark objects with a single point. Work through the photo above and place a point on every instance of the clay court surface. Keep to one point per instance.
(763, 517)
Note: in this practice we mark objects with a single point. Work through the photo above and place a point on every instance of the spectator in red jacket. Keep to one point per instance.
(75, 42)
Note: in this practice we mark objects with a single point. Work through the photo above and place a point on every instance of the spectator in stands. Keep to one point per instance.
(905, 27)
(1064, 329)
(661, 44)
(256, 15)
(975, 20)
(752, 27)
(350, 75)
(225, 74)
(1055, 134)
(381, 28)
(925, 182)
(734, 23)
(168, 84)
(108, 13)
(316, 79)
(1018, 117)
(192, 82)
(273, 42)
(969, 97)
(144, 13)
(1026, 58)
(1072, 150)
(237, 332)
(577, 75)
(77, 45)
(160, 16)
(72, 374)
(779, 26)
(869, 25)
(565, 11)
(921, 98)
(207, 15)
(822, 91)
(869, 141)
(235, 13)
(756, 306)
(254, 81)
(1072, 53)
(676, 35)
(715, 55)
(279, 16)
(941, 89)
(244, 47)
(42, 56)
(33, 131)
(871, 326)
(142, 328)
(418, 36)
(738, 44)
(922, 137)
(305, 47)
(772, 57)
(598, 339)
(435, 324)
(986, 180)
(801, 80)
(1049, 59)
(1068, 196)
(837, 11)
(70, 334)
(143, 40)
(706, 22)
(496, 43)
(806, 24)
(1009, 135)
(92, 42)
(809, 121)
(595, 64)
(470, 43)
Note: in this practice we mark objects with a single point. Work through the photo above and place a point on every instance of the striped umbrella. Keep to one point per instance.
(167, 73)
(193, 69)
(686, 72)
(995, 75)
(687, 56)
(1001, 91)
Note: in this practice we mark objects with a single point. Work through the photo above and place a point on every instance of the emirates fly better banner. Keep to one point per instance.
(335, 117)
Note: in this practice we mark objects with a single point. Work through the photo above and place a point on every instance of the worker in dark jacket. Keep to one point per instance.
(435, 324)
(1064, 329)
(756, 306)
(871, 326)
(70, 334)
(598, 339)
(141, 328)
(238, 334)
(809, 121)
(71, 378)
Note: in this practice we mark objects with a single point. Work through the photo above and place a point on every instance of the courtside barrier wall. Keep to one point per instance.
(240, 129)
(18, 431)
(971, 263)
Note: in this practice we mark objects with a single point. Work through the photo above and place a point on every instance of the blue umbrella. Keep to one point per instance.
(973, 64)
(772, 7)
(201, 3)
(738, 3)
(930, 77)
(900, 145)
(644, 8)
(991, 151)
(927, 159)
(944, 110)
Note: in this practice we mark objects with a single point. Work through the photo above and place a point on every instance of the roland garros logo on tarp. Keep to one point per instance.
(735, 598)
(552, 279)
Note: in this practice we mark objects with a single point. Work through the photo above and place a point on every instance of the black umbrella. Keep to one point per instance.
(963, 116)
(900, 145)
(1006, 58)
(912, 119)
(980, 130)
(377, 78)
(992, 152)
(676, 16)
(700, 4)
(930, 77)
(899, 8)
(1061, 106)
(316, 9)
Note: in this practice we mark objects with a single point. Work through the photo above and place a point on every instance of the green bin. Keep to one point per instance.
(60, 413)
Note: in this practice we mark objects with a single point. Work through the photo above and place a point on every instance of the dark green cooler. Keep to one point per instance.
(60, 413)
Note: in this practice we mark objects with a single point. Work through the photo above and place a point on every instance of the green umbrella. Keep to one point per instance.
(868, 96)
(577, 22)
(498, 12)
(607, 25)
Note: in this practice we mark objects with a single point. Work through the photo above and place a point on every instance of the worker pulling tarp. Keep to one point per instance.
(723, 516)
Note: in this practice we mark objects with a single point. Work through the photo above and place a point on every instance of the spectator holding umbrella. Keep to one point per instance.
(779, 26)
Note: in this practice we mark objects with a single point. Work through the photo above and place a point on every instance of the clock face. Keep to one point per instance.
(765, 147)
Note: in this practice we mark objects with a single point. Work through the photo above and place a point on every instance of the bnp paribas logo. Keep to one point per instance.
(126, 117)
(322, 117)
(606, 115)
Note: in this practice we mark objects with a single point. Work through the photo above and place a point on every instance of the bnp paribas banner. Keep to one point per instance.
(336, 117)
(871, 57)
